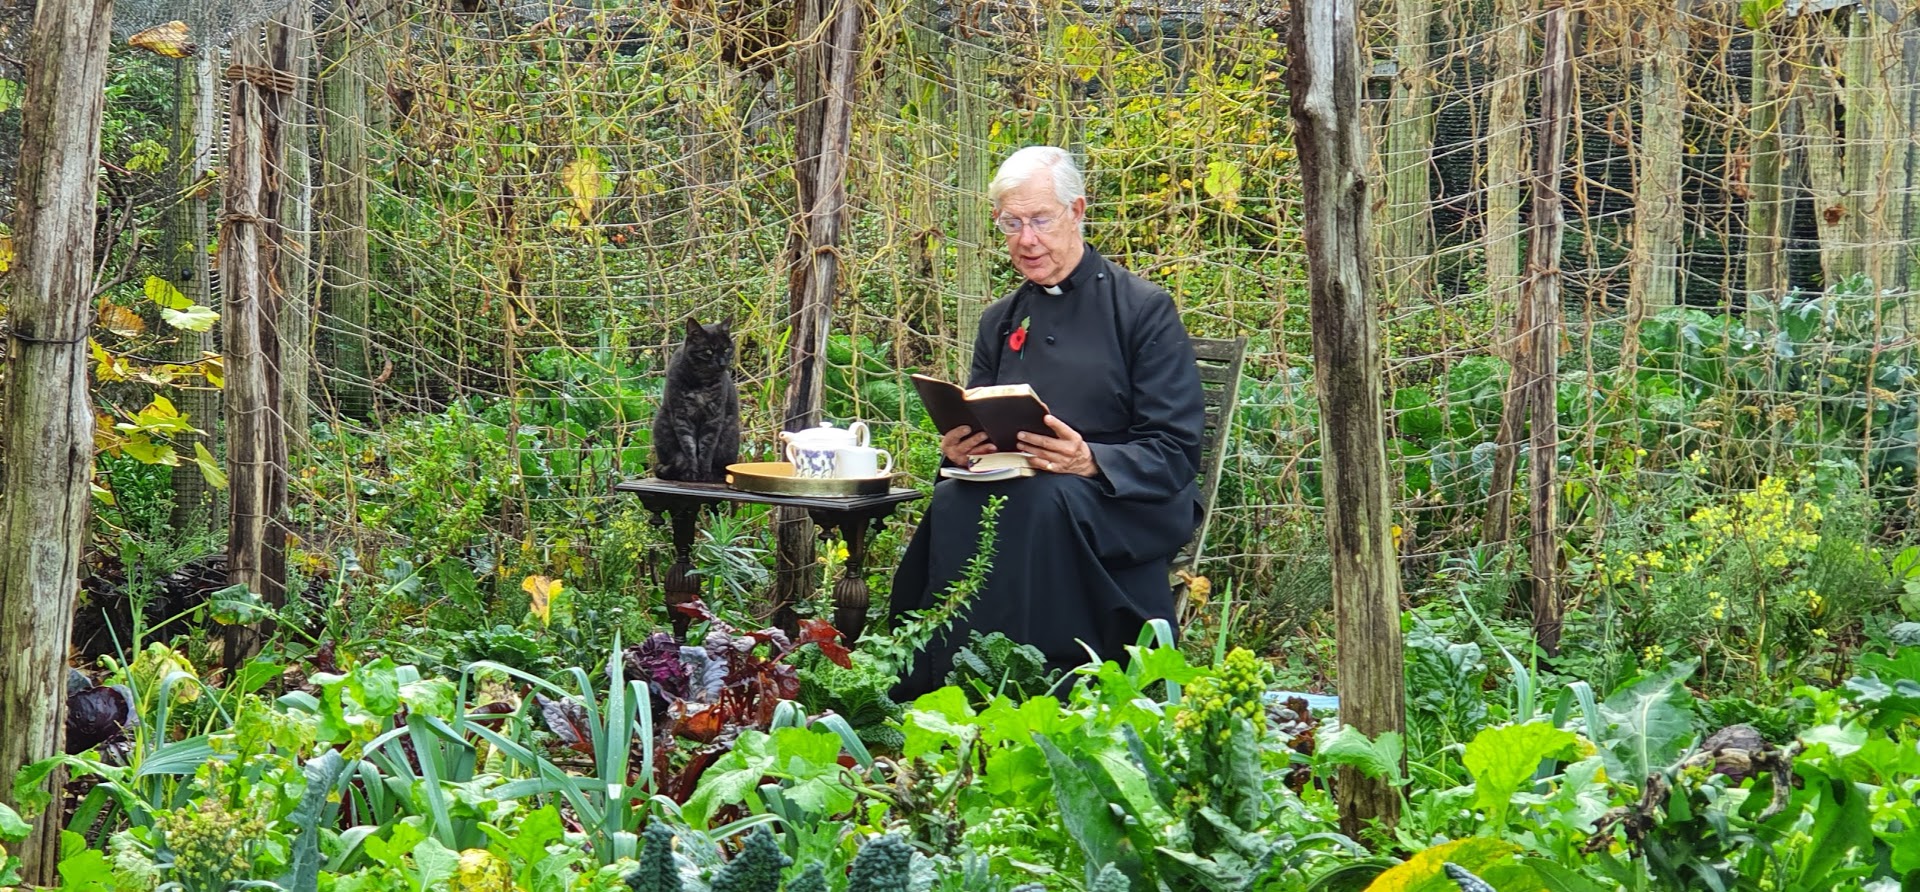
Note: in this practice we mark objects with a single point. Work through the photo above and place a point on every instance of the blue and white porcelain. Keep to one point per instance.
(813, 451)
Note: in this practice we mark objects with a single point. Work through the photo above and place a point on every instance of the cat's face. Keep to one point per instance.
(710, 345)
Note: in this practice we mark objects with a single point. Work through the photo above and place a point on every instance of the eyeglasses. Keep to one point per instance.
(1014, 225)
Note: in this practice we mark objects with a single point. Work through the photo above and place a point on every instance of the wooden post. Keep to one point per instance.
(1871, 116)
(48, 436)
(1816, 95)
(346, 263)
(974, 236)
(1769, 213)
(1506, 154)
(1658, 211)
(1406, 160)
(192, 270)
(290, 39)
(1907, 95)
(1541, 302)
(824, 85)
(249, 236)
(1323, 86)
(1529, 335)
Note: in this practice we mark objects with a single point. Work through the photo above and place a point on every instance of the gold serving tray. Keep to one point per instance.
(775, 478)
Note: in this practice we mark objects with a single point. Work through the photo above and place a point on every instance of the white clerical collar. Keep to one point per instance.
(1052, 289)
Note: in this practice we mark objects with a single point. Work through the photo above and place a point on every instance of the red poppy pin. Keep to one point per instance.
(1018, 339)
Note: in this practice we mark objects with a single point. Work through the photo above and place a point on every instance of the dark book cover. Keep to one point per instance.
(1003, 412)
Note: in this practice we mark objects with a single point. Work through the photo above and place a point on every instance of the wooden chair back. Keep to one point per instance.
(1219, 360)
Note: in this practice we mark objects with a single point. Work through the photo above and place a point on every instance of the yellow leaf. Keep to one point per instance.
(169, 40)
(586, 181)
(6, 253)
(209, 468)
(1223, 183)
(121, 321)
(108, 367)
(214, 369)
(159, 416)
(541, 591)
(142, 449)
(1426, 871)
(162, 292)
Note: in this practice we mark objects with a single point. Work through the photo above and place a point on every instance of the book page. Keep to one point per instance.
(993, 390)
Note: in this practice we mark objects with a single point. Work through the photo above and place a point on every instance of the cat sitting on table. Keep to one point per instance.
(697, 431)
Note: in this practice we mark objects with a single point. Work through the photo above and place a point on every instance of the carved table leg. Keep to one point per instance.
(682, 586)
(850, 598)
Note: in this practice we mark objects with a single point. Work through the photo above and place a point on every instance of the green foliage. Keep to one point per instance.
(919, 627)
(885, 864)
(658, 871)
(756, 869)
(859, 694)
(993, 664)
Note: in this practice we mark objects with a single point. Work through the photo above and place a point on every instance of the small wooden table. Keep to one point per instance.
(851, 515)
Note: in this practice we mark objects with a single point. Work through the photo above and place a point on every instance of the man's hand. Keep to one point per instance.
(961, 442)
(1063, 453)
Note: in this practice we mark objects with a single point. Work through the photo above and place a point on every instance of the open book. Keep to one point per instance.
(1003, 410)
(993, 466)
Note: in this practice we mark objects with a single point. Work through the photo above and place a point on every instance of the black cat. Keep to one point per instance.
(697, 432)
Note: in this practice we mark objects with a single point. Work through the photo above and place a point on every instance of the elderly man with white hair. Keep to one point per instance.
(1084, 544)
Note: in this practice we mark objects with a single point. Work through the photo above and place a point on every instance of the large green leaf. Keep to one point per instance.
(1503, 761)
(1649, 724)
(303, 863)
(1375, 758)
(1086, 815)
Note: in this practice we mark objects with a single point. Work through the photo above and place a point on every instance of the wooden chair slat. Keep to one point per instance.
(1228, 350)
(1220, 363)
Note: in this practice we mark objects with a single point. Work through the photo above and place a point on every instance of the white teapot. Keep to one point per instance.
(812, 451)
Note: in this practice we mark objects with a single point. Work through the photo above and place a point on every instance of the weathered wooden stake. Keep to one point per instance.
(48, 437)
(974, 235)
(1406, 160)
(290, 39)
(1524, 350)
(824, 88)
(1540, 310)
(1323, 84)
(1769, 214)
(347, 268)
(1506, 153)
(249, 240)
(1658, 212)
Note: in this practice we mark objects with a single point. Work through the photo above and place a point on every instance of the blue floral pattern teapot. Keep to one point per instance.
(812, 450)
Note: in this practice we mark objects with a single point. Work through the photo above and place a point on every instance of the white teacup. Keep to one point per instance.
(861, 462)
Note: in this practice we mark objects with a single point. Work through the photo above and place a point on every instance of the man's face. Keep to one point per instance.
(1045, 258)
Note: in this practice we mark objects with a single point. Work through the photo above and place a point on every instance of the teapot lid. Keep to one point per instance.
(823, 432)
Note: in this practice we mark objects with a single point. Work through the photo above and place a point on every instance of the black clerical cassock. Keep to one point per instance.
(1077, 558)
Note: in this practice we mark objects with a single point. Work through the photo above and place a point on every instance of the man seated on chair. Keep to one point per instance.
(1084, 545)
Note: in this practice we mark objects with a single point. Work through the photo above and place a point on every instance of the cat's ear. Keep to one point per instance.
(693, 326)
(724, 326)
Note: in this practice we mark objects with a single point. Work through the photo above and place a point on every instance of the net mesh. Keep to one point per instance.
(552, 190)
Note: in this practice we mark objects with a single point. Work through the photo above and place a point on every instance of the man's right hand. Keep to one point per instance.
(961, 442)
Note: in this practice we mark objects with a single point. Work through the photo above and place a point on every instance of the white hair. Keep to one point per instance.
(1024, 165)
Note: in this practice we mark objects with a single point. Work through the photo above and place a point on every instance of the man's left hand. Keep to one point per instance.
(1064, 453)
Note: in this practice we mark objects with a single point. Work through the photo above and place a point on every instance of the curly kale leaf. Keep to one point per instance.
(657, 871)
(757, 867)
(812, 879)
(993, 663)
(885, 864)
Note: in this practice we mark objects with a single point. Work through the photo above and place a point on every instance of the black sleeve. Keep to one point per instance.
(1161, 456)
(986, 345)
